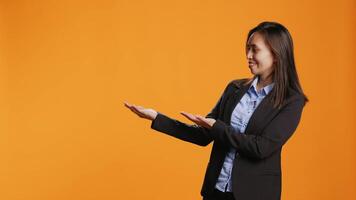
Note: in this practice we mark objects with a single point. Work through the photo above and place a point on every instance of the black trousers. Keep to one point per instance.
(218, 195)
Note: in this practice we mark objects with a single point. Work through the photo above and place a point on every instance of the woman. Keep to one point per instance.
(250, 123)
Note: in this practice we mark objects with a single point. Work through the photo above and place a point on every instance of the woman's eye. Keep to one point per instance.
(254, 50)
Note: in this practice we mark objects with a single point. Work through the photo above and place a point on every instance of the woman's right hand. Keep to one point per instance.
(142, 112)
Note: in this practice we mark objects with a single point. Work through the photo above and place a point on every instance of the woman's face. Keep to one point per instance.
(259, 56)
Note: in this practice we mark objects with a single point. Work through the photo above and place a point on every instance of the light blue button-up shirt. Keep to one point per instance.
(239, 119)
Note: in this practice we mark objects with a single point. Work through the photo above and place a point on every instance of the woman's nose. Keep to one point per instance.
(249, 55)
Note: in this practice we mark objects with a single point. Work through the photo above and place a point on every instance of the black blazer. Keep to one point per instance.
(256, 173)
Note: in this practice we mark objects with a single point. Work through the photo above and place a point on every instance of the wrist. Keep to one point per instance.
(154, 115)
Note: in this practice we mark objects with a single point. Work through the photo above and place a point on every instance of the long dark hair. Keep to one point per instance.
(285, 76)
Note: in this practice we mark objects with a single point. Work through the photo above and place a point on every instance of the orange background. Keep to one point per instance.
(67, 66)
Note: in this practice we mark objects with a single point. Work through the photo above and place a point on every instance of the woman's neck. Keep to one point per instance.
(263, 81)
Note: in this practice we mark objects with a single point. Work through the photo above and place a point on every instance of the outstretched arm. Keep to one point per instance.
(196, 134)
(258, 145)
(190, 133)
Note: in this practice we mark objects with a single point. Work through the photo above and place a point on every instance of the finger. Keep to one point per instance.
(127, 104)
(185, 114)
(130, 107)
(204, 121)
(139, 107)
(189, 116)
(138, 112)
(136, 109)
(192, 119)
(201, 118)
(133, 106)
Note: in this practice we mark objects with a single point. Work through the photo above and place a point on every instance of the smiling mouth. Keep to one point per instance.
(251, 62)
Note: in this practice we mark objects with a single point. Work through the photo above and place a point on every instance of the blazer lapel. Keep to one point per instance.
(260, 117)
(233, 99)
(263, 114)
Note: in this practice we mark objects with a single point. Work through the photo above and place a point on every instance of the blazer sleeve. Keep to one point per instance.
(262, 145)
(190, 133)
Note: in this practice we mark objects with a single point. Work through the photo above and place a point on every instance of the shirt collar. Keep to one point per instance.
(267, 89)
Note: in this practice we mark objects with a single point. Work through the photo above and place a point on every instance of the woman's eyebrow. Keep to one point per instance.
(251, 45)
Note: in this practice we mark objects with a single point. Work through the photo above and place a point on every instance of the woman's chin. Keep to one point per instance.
(252, 71)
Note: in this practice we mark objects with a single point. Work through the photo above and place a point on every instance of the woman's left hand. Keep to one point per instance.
(199, 120)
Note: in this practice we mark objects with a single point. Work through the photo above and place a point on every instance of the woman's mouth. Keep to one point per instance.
(250, 64)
